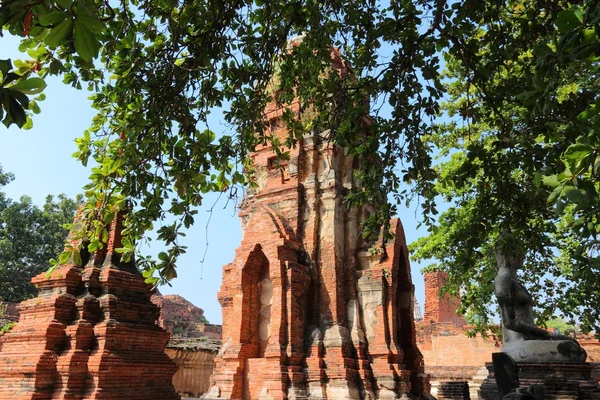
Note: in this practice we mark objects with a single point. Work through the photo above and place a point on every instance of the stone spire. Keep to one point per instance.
(90, 334)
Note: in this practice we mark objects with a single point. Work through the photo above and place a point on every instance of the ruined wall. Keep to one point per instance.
(213, 331)
(591, 346)
(195, 364)
(446, 345)
(8, 312)
(439, 308)
(448, 353)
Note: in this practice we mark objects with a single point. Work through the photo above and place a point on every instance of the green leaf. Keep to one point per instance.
(28, 124)
(589, 113)
(551, 180)
(93, 246)
(567, 20)
(555, 193)
(52, 18)
(86, 42)
(64, 3)
(574, 195)
(5, 66)
(20, 97)
(91, 22)
(64, 257)
(30, 86)
(537, 179)
(59, 33)
(77, 258)
(148, 273)
(576, 155)
(589, 36)
(34, 107)
(15, 113)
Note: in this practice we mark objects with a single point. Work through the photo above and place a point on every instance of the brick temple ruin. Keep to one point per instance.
(90, 334)
(308, 311)
(453, 360)
(458, 364)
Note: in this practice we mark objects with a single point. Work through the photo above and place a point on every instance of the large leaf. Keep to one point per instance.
(91, 22)
(21, 97)
(86, 42)
(15, 113)
(30, 86)
(64, 3)
(577, 155)
(59, 33)
(574, 195)
(567, 20)
(5, 66)
(52, 18)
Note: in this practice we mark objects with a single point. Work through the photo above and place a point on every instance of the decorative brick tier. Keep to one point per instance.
(309, 312)
(90, 334)
(560, 381)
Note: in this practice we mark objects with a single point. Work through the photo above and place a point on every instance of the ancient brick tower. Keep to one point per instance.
(90, 334)
(308, 311)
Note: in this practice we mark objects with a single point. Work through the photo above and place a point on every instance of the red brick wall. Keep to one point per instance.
(439, 308)
(9, 310)
(447, 345)
(448, 353)
(591, 346)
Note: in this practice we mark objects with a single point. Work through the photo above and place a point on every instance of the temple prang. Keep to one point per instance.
(310, 311)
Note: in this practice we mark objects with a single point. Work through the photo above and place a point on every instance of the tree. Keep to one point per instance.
(524, 145)
(562, 326)
(29, 238)
(157, 68)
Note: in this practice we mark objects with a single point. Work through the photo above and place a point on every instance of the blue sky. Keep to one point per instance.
(42, 164)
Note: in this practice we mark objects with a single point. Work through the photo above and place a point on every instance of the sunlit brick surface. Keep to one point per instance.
(90, 334)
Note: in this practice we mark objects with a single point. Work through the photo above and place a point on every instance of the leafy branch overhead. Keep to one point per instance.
(504, 91)
(15, 87)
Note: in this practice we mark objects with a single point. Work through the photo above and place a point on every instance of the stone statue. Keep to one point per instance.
(522, 339)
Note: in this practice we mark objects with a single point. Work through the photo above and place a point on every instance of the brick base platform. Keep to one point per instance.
(560, 381)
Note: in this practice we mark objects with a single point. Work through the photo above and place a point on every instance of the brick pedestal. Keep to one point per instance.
(560, 381)
(90, 334)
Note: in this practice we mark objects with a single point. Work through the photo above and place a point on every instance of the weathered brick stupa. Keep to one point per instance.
(90, 334)
(308, 311)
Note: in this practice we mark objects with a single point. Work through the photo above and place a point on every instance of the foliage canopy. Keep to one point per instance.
(30, 237)
(517, 134)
